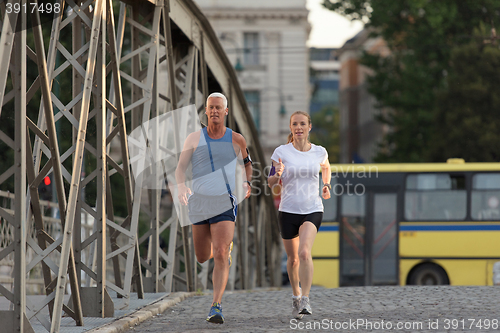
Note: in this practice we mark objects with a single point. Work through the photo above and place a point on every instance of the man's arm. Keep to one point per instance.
(180, 171)
(242, 144)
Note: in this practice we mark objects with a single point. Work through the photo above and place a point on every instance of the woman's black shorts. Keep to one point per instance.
(290, 223)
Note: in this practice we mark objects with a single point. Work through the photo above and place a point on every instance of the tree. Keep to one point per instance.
(466, 120)
(325, 125)
(420, 35)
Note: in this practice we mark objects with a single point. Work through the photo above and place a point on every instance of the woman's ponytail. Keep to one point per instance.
(290, 137)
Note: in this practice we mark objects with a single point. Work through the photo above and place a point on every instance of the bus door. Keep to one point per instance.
(368, 238)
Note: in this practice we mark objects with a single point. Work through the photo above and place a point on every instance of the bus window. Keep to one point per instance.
(485, 197)
(330, 205)
(435, 197)
(353, 222)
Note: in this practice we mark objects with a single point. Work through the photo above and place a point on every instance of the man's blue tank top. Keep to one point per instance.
(208, 160)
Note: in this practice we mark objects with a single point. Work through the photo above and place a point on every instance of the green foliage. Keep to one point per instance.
(325, 131)
(466, 119)
(353, 9)
(420, 35)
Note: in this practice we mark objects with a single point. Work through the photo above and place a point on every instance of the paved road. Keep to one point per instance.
(357, 309)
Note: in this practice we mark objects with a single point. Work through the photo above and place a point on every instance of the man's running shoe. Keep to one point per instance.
(296, 307)
(305, 307)
(215, 315)
(230, 258)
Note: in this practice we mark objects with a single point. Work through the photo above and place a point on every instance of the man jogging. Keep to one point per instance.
(210, 151)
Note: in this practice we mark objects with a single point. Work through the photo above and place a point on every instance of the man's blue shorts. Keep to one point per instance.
(228, 215)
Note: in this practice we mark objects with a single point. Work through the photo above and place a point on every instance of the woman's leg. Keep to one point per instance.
(292, 263)
(307, 234)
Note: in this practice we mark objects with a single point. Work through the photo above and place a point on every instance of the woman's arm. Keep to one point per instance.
(326, 175)
(274, 178)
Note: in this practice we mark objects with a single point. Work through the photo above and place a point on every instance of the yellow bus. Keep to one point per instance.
(418, 224)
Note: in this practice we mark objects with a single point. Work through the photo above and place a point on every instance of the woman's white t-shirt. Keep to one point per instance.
(300, 179)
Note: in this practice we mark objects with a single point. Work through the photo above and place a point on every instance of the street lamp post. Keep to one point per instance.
(238, 67)
(282, 109)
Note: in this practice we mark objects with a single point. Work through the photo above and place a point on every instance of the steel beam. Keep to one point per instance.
(6, 42)
(56, 162)
(77, 167)
(195, 67)
(116, 98)
(19, 80)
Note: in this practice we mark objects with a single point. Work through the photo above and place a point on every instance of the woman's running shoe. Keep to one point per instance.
(305, 307)
(296, 308)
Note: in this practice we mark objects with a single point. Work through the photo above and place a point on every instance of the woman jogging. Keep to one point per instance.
(297, 165)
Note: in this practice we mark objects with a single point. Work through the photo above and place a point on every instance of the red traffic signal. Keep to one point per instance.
(45, 189)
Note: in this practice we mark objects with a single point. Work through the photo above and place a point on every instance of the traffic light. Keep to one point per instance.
(45, 189)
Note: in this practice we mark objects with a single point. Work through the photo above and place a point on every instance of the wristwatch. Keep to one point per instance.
(329, 186)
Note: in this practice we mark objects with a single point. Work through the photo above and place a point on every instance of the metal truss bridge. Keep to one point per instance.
(75, 80)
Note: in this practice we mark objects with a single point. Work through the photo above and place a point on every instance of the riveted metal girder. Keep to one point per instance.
(71, 91)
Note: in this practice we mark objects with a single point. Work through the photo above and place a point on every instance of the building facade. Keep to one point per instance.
(266, 42)
(360, 132)
(324, 79)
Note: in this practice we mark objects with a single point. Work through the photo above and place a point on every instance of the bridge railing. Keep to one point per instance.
(52, 226)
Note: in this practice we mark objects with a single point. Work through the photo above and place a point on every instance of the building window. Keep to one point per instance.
(251, 48)
(253, 101)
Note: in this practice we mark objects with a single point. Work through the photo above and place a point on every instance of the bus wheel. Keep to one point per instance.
(428, 275)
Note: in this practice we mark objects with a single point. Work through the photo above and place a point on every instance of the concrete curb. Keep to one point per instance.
(123, 324)
(127, 322)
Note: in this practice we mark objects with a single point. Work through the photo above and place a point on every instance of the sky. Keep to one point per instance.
(329, 29)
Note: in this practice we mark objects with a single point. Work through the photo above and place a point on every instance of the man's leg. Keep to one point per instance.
(202, 242)
(222, 235)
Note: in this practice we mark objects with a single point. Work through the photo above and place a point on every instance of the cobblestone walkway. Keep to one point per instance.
(357, 309)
